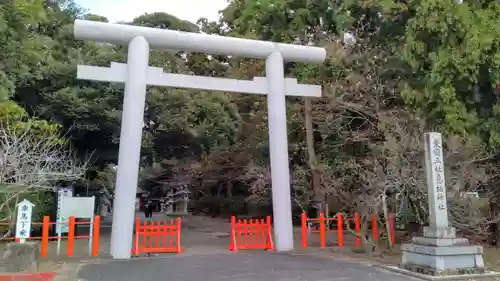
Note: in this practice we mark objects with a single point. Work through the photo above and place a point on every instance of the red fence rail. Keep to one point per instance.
(251, 234)
(322, 228)
(45, 238)
(340, 221)
(157, 237)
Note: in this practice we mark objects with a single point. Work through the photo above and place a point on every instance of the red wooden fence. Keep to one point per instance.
(340, 228)
(251, 234)
(323, 229)
(44, 239)
(157, 237)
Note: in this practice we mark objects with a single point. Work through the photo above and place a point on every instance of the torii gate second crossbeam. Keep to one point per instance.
(137, 75)
(117, 72)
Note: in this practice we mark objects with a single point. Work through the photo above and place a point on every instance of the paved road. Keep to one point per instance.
(241, 266)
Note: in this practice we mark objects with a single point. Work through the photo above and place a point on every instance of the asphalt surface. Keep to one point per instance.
(241, 266)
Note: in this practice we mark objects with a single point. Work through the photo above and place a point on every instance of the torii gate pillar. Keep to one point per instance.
(129, 152)
(140, 39)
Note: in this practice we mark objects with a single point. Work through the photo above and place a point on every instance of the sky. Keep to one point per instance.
(127, 10)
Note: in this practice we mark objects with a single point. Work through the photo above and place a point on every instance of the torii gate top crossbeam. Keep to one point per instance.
(195, 42)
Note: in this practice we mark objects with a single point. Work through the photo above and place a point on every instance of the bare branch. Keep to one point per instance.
(33, 162)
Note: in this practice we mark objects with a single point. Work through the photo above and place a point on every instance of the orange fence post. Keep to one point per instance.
(322, 230)
(232, 244)
(71, 236)
(267, 232)
(178, 234)
(374, 228)
(392, 229)
(340, 230)
(304, 230)
(243, 228)
(357, 228)
(135, 249)
(45, 236)
(95, 236)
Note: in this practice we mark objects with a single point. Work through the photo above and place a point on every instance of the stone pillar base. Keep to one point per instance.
(19, 257)
(441, 254)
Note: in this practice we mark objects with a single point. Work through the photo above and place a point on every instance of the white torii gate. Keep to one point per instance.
(137, 74)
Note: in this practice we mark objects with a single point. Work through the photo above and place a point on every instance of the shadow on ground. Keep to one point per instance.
(241, 266)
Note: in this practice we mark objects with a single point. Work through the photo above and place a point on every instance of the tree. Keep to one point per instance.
(164, 21)
(454, 77)
(32, 160)
(20, 47)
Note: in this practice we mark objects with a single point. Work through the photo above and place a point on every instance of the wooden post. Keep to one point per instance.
(374, 228)
(357, 227)
(178, 240)
(45, 236)
(95, 236)
(270, 243)
(340, 230)
(322, 230)
(71, 236)
(304, 230)
(232, 245)
(245, 238)
(138, 228)
(392, 229)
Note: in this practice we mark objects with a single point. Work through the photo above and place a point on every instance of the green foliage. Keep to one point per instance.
(453, 53)
(15, 118)
(19, 45)
(164, 21)
(93, 17)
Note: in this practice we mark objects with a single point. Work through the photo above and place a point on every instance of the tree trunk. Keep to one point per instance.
(315, 174)
(494, 238)
(229, 190)
(385, 209)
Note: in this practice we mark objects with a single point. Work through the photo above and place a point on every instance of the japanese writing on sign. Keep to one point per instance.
(62, 226)
(23, 224)
(437, 165)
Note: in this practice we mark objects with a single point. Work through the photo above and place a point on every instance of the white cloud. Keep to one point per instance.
(126, 10)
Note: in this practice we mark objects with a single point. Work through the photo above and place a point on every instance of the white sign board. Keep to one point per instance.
(62, 226)
(23, 223)
(78, 207)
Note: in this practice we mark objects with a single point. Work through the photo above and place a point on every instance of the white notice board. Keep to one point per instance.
(62, 192)
(78, 207)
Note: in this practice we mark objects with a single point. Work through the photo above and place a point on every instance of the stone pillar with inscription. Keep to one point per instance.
(439, 252)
